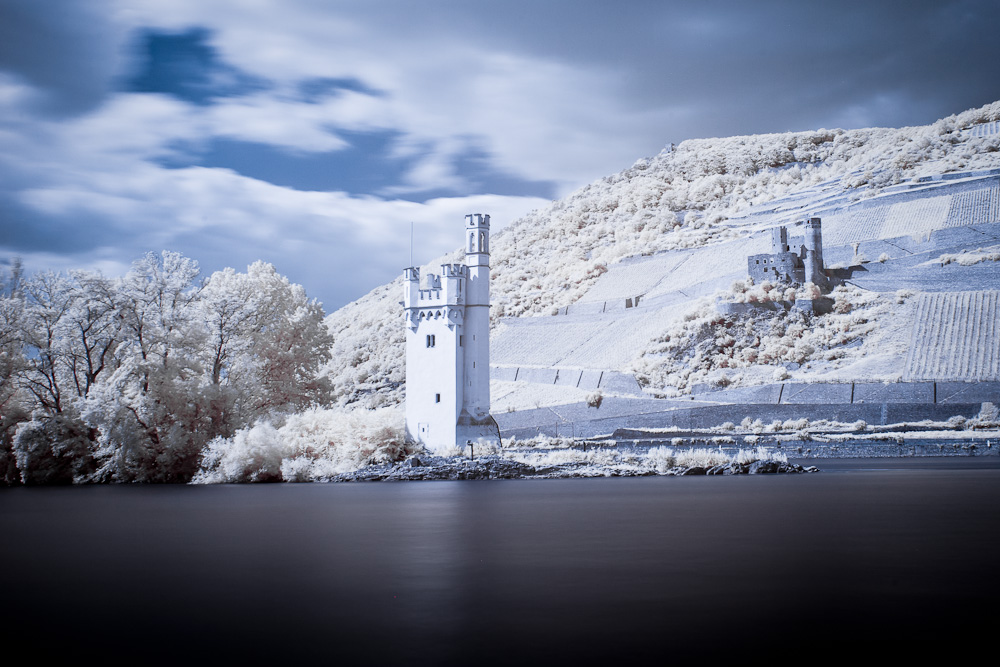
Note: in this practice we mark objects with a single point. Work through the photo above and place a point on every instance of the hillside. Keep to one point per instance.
(613, 288)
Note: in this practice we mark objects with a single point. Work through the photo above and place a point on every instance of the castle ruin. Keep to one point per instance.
(797, 261)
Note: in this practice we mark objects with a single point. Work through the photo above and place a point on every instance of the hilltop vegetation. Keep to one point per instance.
(681, 198)
(756, 347)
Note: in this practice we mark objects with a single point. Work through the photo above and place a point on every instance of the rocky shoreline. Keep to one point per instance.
(436, 468)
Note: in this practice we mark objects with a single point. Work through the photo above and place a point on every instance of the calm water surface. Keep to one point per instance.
(896, 556)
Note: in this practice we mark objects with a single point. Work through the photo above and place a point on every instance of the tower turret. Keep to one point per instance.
(477, 316)
(779, 240)
(453, 278)
(813, 260)
(411, 287)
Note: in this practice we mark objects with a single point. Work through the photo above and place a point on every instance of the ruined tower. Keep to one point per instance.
(813, 260)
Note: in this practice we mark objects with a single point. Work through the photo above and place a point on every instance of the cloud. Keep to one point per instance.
(314, 90)
(336, 244)
(567, 92)
(310, 134)
(186, 65)
(66, 51)
(537, 119)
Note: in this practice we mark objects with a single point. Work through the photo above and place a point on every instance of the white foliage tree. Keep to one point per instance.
(48, 299)
(149, 412)
(266, 344)
(69, 326)
(128, 379)
(91, 330)
(13, 410)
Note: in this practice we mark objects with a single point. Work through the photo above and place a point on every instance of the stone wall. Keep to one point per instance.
(875, 403)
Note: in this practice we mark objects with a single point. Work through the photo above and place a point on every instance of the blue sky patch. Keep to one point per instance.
(360, 169)
(476, 167)
(315, 90)
(367, 166)
(26, 230)
(188, 67)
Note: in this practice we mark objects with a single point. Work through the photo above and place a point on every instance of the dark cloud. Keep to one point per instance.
(25, 230)
(742, 67)
(187, 66)
(67, 50)
(476, 167)
(781, 67)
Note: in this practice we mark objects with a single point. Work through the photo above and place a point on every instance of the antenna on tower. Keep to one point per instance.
(411, 244)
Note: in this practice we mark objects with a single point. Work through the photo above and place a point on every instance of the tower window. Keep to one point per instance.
(437, 398)
(460, 340)
(430, 340)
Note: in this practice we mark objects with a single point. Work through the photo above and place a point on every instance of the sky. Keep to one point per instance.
(312, 133)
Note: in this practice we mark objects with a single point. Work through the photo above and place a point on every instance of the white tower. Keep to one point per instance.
(448, 348)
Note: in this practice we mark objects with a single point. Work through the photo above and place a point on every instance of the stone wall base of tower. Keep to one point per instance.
(473, 430)
(438, 439)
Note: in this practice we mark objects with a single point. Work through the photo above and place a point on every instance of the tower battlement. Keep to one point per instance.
(477, 220)
(453, 270)
(446, 288)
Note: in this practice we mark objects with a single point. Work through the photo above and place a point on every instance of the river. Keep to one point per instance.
(867, 555)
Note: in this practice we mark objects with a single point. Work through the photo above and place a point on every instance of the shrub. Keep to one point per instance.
(595, 399)
(312, 445)
(54, 449)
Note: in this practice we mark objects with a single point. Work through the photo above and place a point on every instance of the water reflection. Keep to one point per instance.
(453, 573)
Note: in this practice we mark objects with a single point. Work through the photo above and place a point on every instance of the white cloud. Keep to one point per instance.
(536, 119)
(280, 122)
(129, 127)
(540, 119)
(99, 169)
(15, 93)
(537, 114)
(338, 245)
